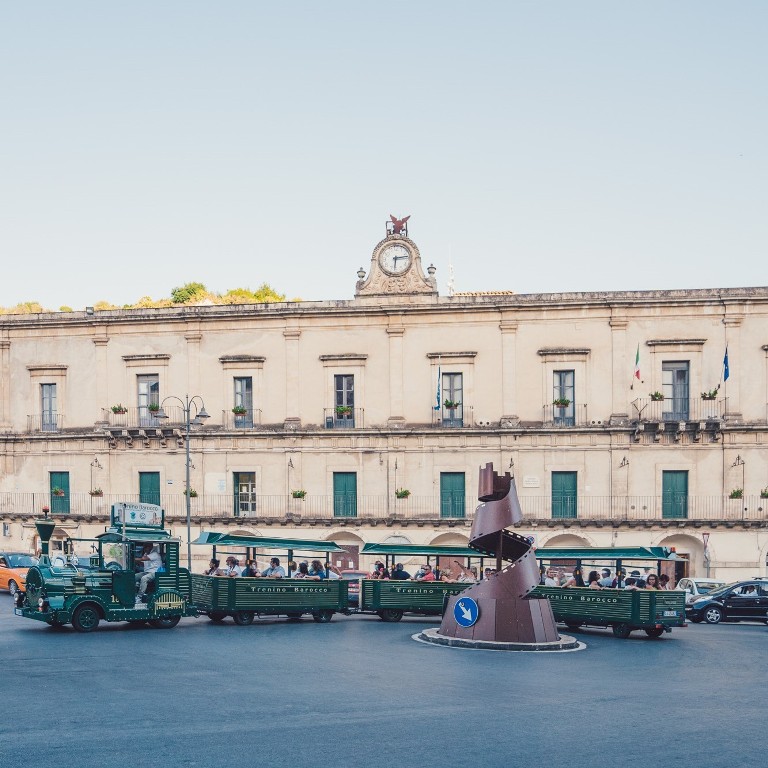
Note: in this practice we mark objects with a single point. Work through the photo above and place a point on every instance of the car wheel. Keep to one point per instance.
(86, 617)
(13, 587)
(713, 615)
(621, 630)
(165, 622)
(654, 631)
(243, 618)
(323, 617)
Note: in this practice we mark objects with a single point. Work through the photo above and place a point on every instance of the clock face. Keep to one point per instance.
(395, 259)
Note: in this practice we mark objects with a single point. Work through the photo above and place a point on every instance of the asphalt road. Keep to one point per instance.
(359, 692)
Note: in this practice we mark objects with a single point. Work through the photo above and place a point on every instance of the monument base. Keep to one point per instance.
(564, 643)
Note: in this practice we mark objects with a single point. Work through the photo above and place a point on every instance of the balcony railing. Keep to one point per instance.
(571, 415)
(344, 417)
(50, 421)
(251, 419)
(453, 418)
(679, 409)
(646, 509)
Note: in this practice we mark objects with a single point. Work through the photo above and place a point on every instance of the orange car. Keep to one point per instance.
(13, 570)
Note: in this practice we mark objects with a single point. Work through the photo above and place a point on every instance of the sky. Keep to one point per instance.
(537, 146)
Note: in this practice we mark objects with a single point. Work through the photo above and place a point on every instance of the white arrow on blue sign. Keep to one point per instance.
(465, 611)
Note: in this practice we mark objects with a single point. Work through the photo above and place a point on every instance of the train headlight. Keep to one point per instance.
(43, 605)
(19, 599)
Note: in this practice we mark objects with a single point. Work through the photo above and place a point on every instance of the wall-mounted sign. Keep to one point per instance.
(530, 481)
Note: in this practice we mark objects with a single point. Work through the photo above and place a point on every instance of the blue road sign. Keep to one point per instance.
(465, 611)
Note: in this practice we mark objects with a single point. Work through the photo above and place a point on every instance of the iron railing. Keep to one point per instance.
(650, 509)
(250, 419)
(49, 421)
(343, 417)
(571, 415)
(453, 418)
(679, 409)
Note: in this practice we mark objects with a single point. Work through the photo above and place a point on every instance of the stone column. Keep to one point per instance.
(396, 331)
(292, 405)
(101, 373)
(508, 330)
(732, 388)
(193, 339)
(5, 385)
(621, 375)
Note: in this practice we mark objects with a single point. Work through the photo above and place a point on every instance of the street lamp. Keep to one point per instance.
(95, 464)
(200, 415)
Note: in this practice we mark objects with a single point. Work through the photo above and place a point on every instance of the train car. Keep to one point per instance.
(84, 597)
(624, 611)
(390, 600)
(244, 598)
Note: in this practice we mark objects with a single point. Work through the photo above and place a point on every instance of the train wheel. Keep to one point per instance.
(654, 632)
(217, 616)
(165, 622)
(390, 614)
(86, 617)
(621, 630)
(323, 616)
(243, 618)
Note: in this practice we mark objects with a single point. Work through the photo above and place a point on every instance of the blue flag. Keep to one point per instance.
(437, 396)
(726, 369)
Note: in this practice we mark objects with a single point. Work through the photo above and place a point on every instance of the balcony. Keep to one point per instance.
(343, 417)
(679, 409)
(251, 419)
(50, 421)
(453, 418)
(319, 508)
(571, 415)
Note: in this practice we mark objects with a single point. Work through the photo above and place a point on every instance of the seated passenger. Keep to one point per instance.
(447, 576)
(151, 560)
(425, 573)
(593, 580)
(275, 570)
(576, 580)
(302, 572)
(664, 581)
(466, 575)
(332, 571)
(252, 569)
(213, 568)
(316, 571)
(399, 573)
(233, 568)
(652, 582)
(631, 583)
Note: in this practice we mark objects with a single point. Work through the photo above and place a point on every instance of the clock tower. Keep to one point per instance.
(396, 266)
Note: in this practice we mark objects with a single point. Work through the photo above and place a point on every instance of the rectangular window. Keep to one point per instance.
(149, 487)
(344, 401)
(243, 401)
(563, 405)
(675, 388)
(674, 495)
(48, 414)
(6, 529)
(564, 499)
(453, 400)
(452, 494)
(345, 494)
(148, 386)
(245, 493)
(59, 489)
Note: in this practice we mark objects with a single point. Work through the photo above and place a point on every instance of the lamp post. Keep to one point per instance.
(95, 464)
(187, 404)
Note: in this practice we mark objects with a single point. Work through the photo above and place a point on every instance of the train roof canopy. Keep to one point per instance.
(605, 553)
(212, 538)
(113, 535)
(418, 549)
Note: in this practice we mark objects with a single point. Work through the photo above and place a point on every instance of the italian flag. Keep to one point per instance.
(637, 363)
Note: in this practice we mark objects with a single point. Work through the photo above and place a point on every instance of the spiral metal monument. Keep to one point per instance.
(499, 609)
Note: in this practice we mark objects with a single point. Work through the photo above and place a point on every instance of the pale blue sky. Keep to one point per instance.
(543, 146)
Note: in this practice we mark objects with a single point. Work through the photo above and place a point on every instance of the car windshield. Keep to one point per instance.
(705, 587)
(21, 561)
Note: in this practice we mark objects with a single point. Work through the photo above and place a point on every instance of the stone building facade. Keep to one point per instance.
(366, 420)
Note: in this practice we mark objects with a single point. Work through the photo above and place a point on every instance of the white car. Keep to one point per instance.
(695, 587)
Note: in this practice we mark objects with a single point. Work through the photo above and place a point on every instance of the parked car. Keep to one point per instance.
(13, 570)
(353, 577)
(740, 601)
(694, 587)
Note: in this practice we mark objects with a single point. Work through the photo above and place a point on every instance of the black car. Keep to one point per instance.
(740, 601)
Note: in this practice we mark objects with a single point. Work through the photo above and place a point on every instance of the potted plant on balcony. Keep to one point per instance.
(402, 493)
(561, 402)
(299, 494)
(56, 491)
(96, 492)
(192, 493)
(710, 395)
(239, 410)
(153, 407)
(764, 493)
(451, 404)
(119, 409)
(343, 410)
(656, 396)
(736, 493)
